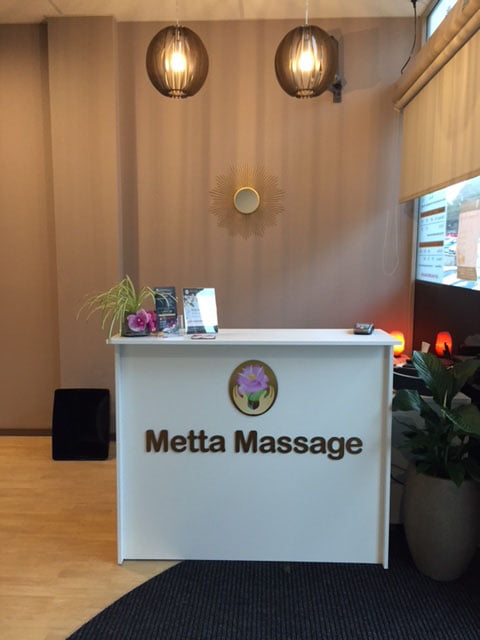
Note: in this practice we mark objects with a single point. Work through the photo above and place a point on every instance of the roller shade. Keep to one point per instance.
(440, 100)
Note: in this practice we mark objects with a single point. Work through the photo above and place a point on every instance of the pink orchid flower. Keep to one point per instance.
(152, 320)
(137, 322)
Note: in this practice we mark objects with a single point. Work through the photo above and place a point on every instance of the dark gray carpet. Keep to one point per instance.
(202, 600)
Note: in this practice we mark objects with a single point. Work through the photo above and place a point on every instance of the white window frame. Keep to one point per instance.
(435, 15)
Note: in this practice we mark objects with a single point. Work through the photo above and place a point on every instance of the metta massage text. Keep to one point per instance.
(334, 447)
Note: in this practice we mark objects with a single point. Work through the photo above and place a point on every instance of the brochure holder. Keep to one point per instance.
(200, 310)
(165, 308)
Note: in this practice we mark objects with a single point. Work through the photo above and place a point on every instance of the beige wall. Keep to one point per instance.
(82, 55)
(28, 291)
(132, 172)
(329, 260)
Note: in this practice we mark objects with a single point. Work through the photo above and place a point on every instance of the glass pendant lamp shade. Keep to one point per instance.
(177, 62)
(306, 61)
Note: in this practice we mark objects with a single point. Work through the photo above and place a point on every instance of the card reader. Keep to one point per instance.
(363, 328)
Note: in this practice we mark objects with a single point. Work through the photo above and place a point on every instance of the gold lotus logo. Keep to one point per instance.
(253, 387)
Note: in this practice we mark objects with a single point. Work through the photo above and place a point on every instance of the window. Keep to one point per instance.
(438, 14)
(448, 240)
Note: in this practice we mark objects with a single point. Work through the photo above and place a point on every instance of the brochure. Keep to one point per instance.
(165, 308)
(200, 310)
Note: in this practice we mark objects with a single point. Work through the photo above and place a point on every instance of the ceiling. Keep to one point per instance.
(32, 11)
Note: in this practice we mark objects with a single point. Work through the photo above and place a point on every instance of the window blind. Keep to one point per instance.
(440, 101)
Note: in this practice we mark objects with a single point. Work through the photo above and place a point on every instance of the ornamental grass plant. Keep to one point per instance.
(118, 303)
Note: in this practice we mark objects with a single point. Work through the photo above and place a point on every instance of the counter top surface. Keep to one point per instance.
(298, 337)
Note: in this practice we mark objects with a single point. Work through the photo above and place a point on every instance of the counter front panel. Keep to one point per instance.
(201, 478)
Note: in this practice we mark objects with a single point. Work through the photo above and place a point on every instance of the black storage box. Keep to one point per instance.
(81, 424)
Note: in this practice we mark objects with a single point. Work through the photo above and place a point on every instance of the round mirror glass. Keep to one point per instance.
(246, 200)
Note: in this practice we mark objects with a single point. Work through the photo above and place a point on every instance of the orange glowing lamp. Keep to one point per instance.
(443, 344)
(398, 349)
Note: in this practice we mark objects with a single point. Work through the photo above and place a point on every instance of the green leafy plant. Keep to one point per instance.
(117, 303)
(443, 446)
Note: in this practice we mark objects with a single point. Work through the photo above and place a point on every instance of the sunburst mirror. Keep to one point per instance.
(246, 200)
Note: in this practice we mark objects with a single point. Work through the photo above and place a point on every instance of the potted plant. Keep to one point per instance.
(441, 502)
(122, 309)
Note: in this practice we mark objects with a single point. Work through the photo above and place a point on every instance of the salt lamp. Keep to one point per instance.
(398, 349)
(443, 344)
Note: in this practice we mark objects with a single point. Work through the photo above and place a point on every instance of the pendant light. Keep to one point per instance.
(306, 61)
(177, 62)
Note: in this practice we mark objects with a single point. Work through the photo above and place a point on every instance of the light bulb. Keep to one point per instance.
(306, 61)
(178, 62)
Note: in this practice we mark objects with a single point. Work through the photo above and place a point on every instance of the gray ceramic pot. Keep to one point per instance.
(128, 333)
(441, 524)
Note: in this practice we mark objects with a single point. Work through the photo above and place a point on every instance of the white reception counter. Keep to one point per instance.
(258, 445)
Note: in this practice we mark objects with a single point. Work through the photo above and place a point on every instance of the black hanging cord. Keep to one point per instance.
(414, 2)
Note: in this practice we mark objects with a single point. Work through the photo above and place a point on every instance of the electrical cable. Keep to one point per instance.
(414, 2)
(394, 478)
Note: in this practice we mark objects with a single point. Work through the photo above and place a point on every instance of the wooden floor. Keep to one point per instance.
(58, 557)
